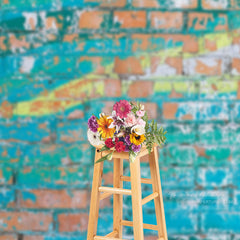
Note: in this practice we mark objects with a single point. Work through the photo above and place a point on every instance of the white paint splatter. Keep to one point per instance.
(30, 20)
(27, 64)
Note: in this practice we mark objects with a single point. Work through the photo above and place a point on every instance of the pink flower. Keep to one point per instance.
(140, 113)
(130, 120)
(122, 108)
(141, 122)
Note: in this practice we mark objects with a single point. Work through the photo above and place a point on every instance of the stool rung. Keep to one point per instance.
(106, 238)
(115, 190)
(105, 195)
(149, 198)
(111, 234)
(143, 180)
(146, 226)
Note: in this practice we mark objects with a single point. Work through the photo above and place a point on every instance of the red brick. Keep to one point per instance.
(151, 109)
(8, 237)
(33, 237)
(140, 89)
(56, 199)
(131, 19)
(91, 19)
(113, 88)
(199, 21)
(130, 65)
(25, 221)
(169, 110)
(167, 20)
(73, 222)
(236, 66)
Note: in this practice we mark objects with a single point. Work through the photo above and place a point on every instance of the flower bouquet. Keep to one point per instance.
(126, 130)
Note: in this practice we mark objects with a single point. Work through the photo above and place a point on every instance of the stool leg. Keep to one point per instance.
(94, 206)
(117, 198)
(156, 185)
(136, 199)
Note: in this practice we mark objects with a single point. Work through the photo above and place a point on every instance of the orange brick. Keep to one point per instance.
(6, 109)
(91, 19)
(130, 19)
(141, 42)
(140, 89)
(210, 45)
(151, 109)
(33, 237)
(8, 237)
(167, 20)
(203, 68)
(115, 3)
(73, 222)
(56, 199)
(214, 4)
(145, 3)
(130, 65)
(236, 66)
(169, 110)
(113, 88)
(25, 221)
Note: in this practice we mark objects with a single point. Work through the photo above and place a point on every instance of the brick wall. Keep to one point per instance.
(63, 60)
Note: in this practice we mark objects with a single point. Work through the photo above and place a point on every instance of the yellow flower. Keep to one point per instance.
(137, 139)
(103, 127)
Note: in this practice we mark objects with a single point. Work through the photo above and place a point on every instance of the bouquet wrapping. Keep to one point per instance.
(127, 129)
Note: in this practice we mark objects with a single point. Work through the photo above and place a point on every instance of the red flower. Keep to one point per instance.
(120, 147)
(109, 143)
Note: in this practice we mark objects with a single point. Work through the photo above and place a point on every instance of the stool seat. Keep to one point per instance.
(100, 192)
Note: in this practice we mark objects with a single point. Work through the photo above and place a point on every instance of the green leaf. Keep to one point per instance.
(107, 157)
(104, 148)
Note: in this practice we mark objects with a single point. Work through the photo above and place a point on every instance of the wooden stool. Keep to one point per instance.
(100, 192)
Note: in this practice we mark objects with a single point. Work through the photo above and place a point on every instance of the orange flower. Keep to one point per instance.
(103, 128)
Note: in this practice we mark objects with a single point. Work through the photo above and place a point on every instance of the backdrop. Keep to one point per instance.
(61, 61)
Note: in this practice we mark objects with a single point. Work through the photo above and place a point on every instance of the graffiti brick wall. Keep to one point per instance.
(60, 61)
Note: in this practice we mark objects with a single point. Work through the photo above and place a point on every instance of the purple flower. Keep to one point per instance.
(136, 148)
(92, 124)
(126, 148)
(127, 140)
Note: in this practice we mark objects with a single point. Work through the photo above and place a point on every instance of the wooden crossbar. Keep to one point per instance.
(146, 226)
(105, 195)
(143, 180)
(115, 190)
(106, 238)
(111, 234)
(149, 198)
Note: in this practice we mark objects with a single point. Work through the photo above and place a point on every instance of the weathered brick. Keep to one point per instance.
(236, 112)
(213, 4)
(140, 89)
(130, 19)
(93, 19)
(33, 237)
(25, 221)
(130, 65)
(219, 221)
(8, 237)
(198, 22)
(113, 88)
(51, 176)
(6, 176)
(236, 66)
(7, 198)
(73, 222)
(214, 177)
(167, 20)
(164, 4)
(46, 198)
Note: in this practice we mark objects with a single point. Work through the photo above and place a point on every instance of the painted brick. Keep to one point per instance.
(213, 156)
(6, 176)
(236, 66)
(25, 221)
(181, 155)
(33, 237)
(219, 4)
(221, 222)
(236, 175)
(130, 19)
(163, 4)
(167, 20)
(7, 198)
(49, 176)
(236, 112)
(46, 198)
(180, 134)
(73, 222)
(205, 66)
(113, 88)
(198, 22)
(214, 177)
(93, 19)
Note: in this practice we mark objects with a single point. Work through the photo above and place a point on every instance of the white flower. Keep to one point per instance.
(138, 129)
(94, 138)
(141, 107)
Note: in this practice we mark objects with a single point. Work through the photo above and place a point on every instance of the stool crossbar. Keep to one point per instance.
(101, 192)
